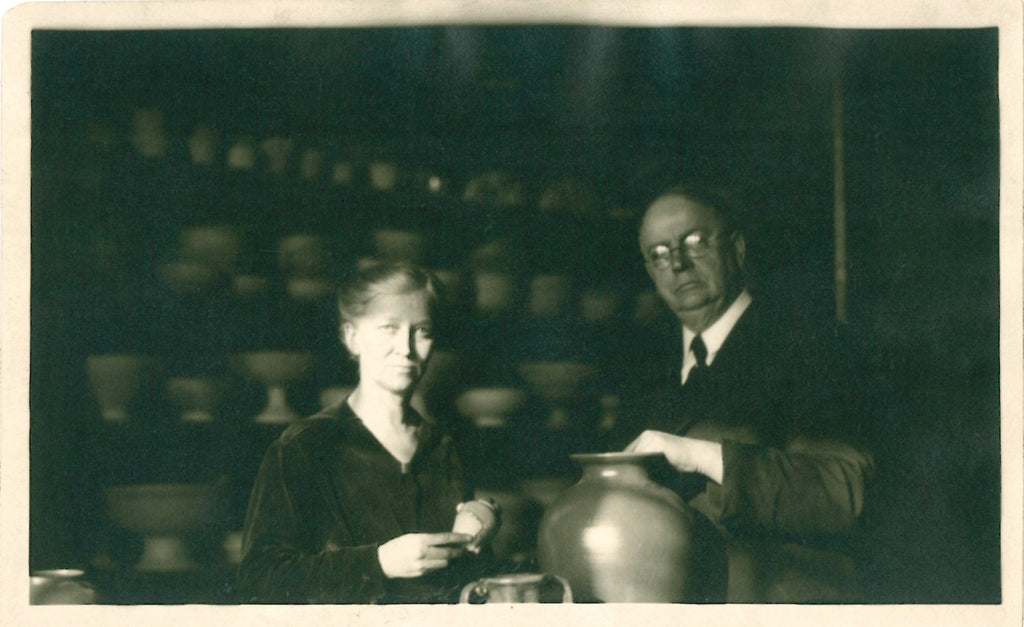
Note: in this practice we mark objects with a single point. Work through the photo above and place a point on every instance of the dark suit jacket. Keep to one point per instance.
(789, 405)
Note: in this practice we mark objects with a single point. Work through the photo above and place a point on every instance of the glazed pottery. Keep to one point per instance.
(117, 380)
(549, 295)
(62, 586)
(490, 407)
(186, 277)
(164, 515)
(309, 289)
(383, 175)
(401, 245)
(196, 397)
(495, 292)
(559, 384)
(302, 255)
(275, 370)
(513, 588)
(599, 305)
(216, 246)
(618, 536)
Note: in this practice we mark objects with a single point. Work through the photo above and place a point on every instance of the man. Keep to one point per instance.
(762, 422)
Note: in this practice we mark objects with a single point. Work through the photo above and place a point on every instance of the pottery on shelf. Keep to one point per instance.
(277, 153)
(490, 407)
(275, 370)
(599, 305)
(216, 246)
(401, 245)
(383, 175)
(302, 255)
(569, 196)
(165, 515)
(618, 536)
(249, 285)
(61, 586)
(186, 277)
(117, 381)
(309, 289)
(495, 188)
(198, 398)
(495, 292)
(549, 294)
(559, 384)
(311, 164)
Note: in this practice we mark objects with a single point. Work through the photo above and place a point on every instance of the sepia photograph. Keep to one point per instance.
(627, 310)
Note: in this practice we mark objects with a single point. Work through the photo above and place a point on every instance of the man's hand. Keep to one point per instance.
(685, 454)
(416, 554)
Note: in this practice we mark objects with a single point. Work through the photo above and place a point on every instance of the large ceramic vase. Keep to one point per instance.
(618, 536)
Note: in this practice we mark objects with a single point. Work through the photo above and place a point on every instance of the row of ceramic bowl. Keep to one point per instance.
(372, 167)
(303, 260)
(117, 380)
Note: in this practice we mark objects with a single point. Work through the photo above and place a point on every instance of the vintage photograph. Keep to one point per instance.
(549, 311)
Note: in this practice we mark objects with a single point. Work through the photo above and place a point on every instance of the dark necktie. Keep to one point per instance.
(699, 372)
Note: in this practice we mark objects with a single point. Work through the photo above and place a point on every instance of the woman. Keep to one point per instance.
(356, 504)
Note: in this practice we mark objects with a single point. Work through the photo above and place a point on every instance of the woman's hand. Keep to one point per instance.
(416, 554)
(685, 454)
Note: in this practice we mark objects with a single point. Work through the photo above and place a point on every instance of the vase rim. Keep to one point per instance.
(515, 578)
(615, 457)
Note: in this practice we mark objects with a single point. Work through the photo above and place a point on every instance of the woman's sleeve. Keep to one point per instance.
(281, 562)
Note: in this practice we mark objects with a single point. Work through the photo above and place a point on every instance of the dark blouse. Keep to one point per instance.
(328, 494)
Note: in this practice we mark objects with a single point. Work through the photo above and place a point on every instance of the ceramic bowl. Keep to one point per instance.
(164, 514)
(186, 277)
(557, 381)
(549, 294)
(599, 305)
(275, 367)
(495, 292)
(249, 285)
(117, 380)
(401, 245)
(275, 370)
(198, 398)
(302, 255)
(490, 407)
(218, 247)
(309, 289)
(383, 175)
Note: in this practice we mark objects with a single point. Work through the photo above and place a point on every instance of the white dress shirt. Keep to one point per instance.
(714, 336)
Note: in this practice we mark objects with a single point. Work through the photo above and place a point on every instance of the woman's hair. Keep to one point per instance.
(386, 278)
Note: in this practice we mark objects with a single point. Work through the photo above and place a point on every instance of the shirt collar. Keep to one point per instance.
(715, 335)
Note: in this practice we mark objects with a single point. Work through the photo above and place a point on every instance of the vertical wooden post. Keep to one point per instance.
(839, 199)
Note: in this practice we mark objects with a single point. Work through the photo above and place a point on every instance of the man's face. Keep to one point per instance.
(699, 277)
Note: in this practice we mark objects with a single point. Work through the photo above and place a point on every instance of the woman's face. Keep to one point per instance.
(392, 340)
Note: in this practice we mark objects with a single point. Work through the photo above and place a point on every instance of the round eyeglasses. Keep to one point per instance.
(695, 245)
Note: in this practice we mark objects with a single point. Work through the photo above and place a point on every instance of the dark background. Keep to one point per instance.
(625, 110)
